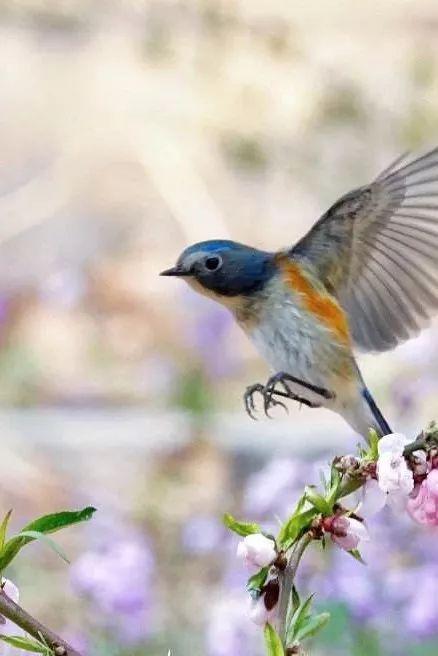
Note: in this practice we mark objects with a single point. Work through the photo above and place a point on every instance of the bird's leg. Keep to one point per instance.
(270, 390)
(269, 394)
(282, 378)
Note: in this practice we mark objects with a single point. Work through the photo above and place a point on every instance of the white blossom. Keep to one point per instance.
(393, 475)
(7, 627)
(256, 551)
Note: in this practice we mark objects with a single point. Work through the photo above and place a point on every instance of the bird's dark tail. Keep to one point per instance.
(379, 419)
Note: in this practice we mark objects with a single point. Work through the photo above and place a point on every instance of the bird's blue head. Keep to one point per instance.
(224, 268)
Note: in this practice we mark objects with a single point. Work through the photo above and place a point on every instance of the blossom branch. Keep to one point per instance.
(13, 612)
(391, 471)
(423, 441)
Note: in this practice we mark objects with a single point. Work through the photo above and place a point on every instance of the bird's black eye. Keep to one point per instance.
(213, 262)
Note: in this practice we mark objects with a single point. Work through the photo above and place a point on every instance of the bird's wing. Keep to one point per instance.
(376, 249)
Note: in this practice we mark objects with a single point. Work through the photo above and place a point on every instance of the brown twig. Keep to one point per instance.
(33, 627)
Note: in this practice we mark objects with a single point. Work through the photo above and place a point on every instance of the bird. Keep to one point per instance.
(363, 278)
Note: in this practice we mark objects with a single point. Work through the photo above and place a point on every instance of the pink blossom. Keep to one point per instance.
(256, 551)
(348, 532)
(423, 505)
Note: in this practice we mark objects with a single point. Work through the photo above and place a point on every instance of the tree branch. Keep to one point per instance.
(426, 439)
(287, 578)
(33, 627)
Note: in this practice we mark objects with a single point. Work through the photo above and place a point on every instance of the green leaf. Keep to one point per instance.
(257, 581)
(295, 599)
(46, 524)
(4, 528)
(241, 528)
(294, 604)
(373, 439)
(335, 483)
(292, 529)
(298, 620)
(312, 626)
(36, 535)
(300, 504)
(317, 500)
(303, 612)
(27, 644)
(57, 521)
(273, 643)
(356, 554)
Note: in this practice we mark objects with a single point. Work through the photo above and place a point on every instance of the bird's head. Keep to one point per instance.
(224, 269)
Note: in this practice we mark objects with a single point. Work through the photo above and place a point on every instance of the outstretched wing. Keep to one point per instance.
(376, 249)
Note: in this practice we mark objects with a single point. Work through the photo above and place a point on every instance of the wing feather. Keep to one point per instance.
(376, 249)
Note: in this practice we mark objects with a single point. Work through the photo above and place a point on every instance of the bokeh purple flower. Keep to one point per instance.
(229, 629)
(118, 579)
(203, 534)
(274, 490)
(208, 332)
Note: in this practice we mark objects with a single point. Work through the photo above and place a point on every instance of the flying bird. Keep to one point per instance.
(364, 278)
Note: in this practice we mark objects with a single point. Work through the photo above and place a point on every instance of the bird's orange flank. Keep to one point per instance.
(320, 304)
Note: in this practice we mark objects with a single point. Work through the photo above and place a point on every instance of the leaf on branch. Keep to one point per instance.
(4, 528)
(317, 500)
(296, 601)
(43, 525)
(356, 554)
(58, 521)
(298, 620)
(312, 625)
(294, 526)
(257, 581)
(272, 641)
(241, 528)
(303, 612)
(333, 491)
(36, 535)
(373, 451)
(27, 644)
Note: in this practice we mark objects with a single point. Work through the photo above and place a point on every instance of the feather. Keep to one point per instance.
(383, 261)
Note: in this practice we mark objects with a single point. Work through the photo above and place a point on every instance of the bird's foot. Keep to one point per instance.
(269, 392)
(268, 400)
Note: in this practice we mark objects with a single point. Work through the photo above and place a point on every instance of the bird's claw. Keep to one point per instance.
(248, 398)
(268, 400)
(270, 391)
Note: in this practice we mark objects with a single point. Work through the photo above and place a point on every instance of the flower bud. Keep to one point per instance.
(264, 608)
(346, 532)
(257, 551)
(348, 462)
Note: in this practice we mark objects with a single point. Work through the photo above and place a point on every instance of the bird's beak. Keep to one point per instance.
(175, 271)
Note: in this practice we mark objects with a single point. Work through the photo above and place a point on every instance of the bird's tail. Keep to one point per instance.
(380, 422)
(362, 413)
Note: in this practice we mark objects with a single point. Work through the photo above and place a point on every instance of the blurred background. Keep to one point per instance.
(129, 129)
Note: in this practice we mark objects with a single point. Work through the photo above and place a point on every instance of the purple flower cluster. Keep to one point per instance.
(118, 580)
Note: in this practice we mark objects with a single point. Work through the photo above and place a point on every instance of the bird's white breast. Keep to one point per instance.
(291, 340)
